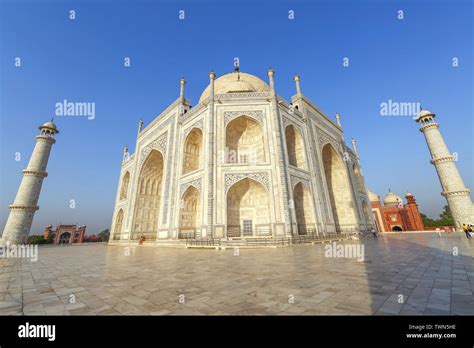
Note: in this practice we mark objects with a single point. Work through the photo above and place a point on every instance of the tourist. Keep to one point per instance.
(374, 232)
(466, 231)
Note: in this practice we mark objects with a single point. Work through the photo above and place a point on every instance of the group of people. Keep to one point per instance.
(467, 230)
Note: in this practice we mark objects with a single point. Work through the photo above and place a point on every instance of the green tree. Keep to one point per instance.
(35, 239)
(427, 221)
(50, 239)
(104, 235)
(445, 219)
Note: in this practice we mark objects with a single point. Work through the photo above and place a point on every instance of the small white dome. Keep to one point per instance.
(392, 200)
(373, 197)
(49, 124)
(424, 113)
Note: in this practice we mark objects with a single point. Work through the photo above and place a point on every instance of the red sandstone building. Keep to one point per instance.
(65, 234)
(394, 215)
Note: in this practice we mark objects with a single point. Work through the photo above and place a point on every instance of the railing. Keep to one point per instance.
(186, 235)
(304, 229)
(246, 242)
(203, 242)
(346, 228)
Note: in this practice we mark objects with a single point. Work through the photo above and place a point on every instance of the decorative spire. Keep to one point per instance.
(338, 119)
(140, 125)
(271, 74)
(182, 82)
(212, 75)
(354, 147)
(297, 82)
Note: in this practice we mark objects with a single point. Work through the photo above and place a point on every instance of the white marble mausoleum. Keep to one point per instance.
(243, 162)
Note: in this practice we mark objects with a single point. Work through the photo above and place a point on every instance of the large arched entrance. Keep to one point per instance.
(149, 197)
(248, 211)
(190, 214)
(340, 195)
(304, 209)
(192, 151)
(118, 225)
(65, 238)
(244, 141)
(295, 147)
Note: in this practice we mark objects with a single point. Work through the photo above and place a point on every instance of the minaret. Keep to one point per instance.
(354, 147)
(23, 208)
(338, 120)
(456, 193)
(182, 83)
(140, 127)
(297, 83)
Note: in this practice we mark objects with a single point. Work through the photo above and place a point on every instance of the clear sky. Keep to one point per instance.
(408, 60)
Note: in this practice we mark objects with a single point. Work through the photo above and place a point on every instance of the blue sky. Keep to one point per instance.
(407, 60)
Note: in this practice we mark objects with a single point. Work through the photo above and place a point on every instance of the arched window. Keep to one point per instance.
(192, 151)
(124, 188)
(295, 147)
(244, 141)
(358, 178)
(190, 215)
(304, 209)
(118, 225)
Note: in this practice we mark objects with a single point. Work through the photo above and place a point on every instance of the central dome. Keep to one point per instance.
(236, 82)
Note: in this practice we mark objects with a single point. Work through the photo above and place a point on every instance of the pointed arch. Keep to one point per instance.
(124, 188)
(248, 209)
(118, 225)
(304, 209)
(295, 147)
(148, 202)
(358, 178)
(244, 141)
(192, 159)
(190, 213)
(340, 194)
